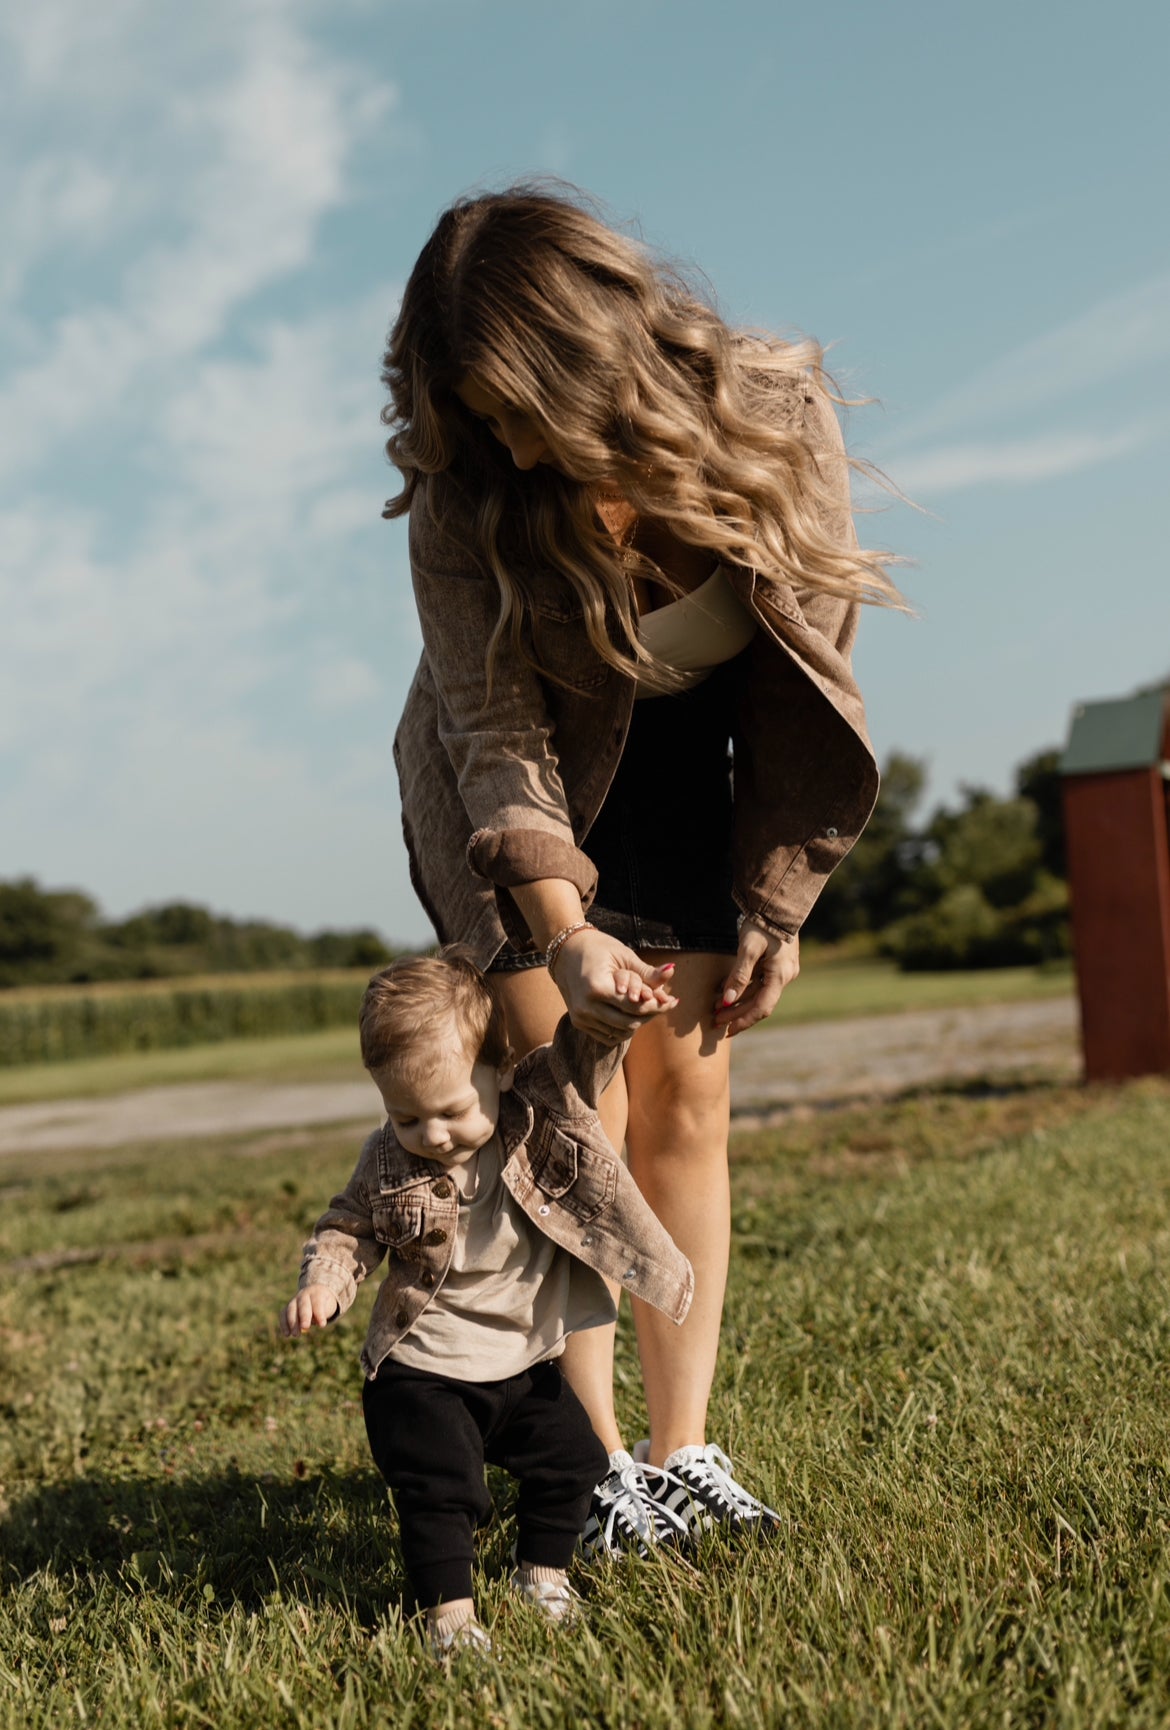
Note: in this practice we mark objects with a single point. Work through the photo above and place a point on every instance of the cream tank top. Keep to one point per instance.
(694, 633)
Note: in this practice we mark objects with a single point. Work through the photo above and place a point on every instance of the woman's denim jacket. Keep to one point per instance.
(559, 1166)
(521, 777)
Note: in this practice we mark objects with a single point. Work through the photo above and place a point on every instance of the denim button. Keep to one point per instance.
(544, 1208)
(630, 1273)
(831, 833)
(401, 1319)
(442, 1188)
(426, 1277)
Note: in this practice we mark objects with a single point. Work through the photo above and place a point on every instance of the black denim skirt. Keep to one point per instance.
(662, 840)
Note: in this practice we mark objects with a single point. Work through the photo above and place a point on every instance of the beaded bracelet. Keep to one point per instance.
(558, 942)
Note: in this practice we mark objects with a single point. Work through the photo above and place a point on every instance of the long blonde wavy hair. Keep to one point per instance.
(642, 391)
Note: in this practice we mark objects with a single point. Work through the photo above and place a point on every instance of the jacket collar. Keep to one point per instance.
(398, 1169)
(515, 1125)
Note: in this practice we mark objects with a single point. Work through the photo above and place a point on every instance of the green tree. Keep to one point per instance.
(176, 924)
(58, 937)
(991, 843)
(1039, 780)
(361, 948)
(982, 892)
(45, 935)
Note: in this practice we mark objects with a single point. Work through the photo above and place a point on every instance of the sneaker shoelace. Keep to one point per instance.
(655, 1484)
(698, 1489)
(619, 1511)
(709, 1470)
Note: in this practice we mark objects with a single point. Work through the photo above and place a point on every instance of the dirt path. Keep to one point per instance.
(873, 1056)
(774, 1071)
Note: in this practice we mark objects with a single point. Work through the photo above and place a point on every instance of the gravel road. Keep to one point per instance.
(774, 1071)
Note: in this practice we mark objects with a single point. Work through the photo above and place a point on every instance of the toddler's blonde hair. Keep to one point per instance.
(409, 1006)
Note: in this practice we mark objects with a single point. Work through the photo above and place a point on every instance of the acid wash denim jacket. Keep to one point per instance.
(559, 1166)
(502, 791)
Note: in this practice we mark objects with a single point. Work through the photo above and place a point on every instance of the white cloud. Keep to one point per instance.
(289, 421)
(59, 199)
(929, 474)
(929, 454)
(237, 173)
(1112, 338)
(191, 557)
(347, 509)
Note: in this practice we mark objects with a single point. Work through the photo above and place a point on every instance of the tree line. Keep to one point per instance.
(59, 937)
(980, 886)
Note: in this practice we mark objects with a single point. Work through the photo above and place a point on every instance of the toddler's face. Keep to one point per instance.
(449, 1112)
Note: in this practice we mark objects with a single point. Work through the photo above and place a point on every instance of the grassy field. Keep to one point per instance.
(827, 989)
(330, 1055)
(944, 1362)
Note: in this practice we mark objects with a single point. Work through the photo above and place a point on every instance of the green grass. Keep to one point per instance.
(943, 1360)
(329, 1055)
(826, 990)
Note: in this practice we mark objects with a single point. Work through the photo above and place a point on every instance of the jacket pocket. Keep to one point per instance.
(396, 1222)
(581, 1179)
(561, 648)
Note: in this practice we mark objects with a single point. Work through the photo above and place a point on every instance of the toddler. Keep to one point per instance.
(499, 1204)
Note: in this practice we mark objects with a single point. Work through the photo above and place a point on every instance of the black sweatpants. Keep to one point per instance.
(430, 1437)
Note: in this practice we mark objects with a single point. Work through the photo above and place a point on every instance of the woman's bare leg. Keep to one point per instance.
(678, 1081)
(533, 1006)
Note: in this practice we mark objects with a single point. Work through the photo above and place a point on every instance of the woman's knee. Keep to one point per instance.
(681, 1103)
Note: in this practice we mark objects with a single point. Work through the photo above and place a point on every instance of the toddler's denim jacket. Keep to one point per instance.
(559, 1166)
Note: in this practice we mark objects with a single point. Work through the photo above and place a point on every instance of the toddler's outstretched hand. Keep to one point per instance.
(653, 987)
(313, 1307)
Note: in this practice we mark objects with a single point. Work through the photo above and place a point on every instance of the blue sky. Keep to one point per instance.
(208, 629)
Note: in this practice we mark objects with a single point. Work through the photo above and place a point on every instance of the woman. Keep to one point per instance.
(632, 550)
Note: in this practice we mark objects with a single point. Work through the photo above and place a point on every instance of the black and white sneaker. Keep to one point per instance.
(626, 1516)
(695, 1487)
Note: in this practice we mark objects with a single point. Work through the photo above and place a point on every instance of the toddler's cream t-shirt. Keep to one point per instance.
(511, 1296)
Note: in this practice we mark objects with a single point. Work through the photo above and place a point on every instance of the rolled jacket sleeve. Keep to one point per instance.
(344, 1248)
(511, 857)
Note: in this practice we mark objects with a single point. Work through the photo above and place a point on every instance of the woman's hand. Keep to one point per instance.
(764, 965)
(608, 989)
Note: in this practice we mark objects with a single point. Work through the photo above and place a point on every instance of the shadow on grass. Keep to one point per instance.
(233, 1538)
(1038, 1083)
